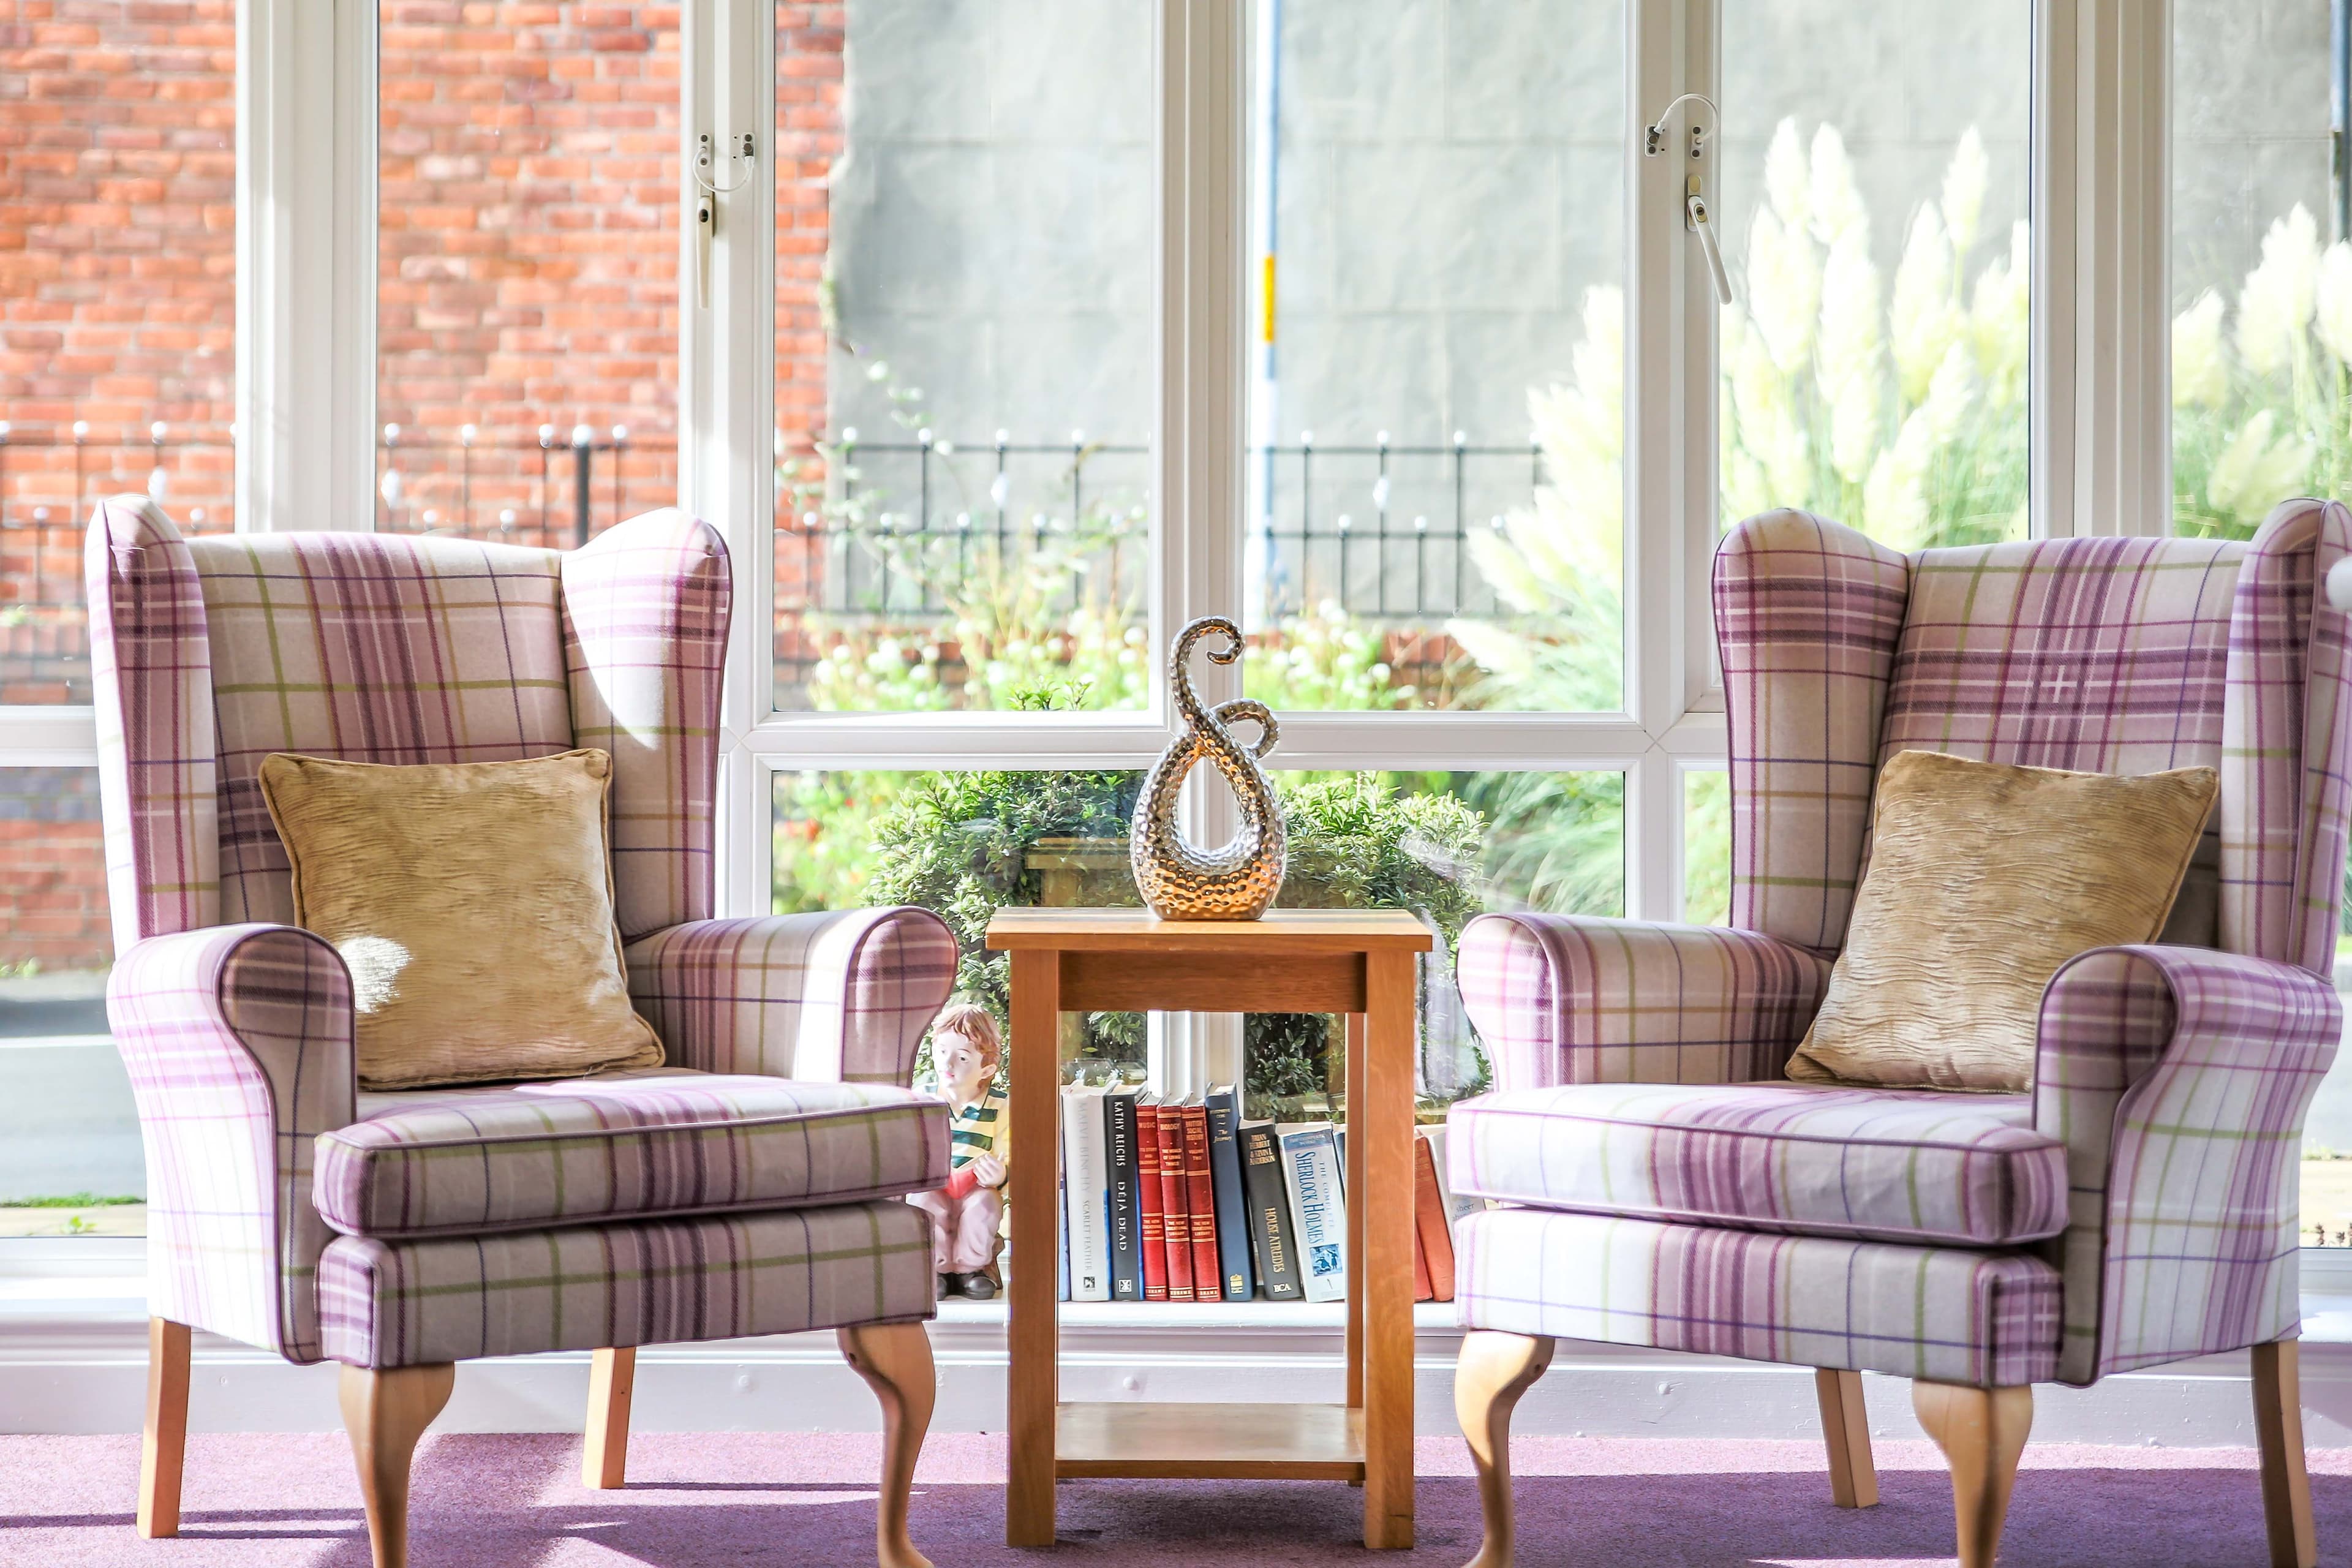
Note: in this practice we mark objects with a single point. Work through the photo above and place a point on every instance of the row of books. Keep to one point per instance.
(1184, 1201)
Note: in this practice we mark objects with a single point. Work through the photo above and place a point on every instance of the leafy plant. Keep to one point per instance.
(2260, 401)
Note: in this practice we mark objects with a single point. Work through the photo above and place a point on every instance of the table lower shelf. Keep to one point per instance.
(1210, 1442)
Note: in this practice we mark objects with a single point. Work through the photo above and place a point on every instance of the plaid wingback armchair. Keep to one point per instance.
(1665, 1185)
(749, 1186)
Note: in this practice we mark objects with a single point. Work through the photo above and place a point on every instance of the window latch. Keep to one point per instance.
(707, 191)
(1694, 208)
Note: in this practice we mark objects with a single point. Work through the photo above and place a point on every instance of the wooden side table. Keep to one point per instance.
(1356, 962)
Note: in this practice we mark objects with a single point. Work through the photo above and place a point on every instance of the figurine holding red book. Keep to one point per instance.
(967, 1213)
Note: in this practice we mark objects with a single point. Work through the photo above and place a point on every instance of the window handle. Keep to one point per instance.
(1695, 220)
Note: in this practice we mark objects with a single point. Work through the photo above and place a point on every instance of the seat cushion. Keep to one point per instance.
(1950, 1314)
(620, 1145)
(1884, 1165)
(388, 1303)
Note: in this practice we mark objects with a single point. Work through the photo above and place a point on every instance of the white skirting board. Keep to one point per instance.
(74, 1364)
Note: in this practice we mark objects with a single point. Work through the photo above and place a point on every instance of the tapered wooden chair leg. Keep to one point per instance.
(1846, 1429)
(1982, 1432)
(162, 1450)
(2286, 1483)
(1493, 1370)
(895, 1360)
(612, 1381)
(385, 1413)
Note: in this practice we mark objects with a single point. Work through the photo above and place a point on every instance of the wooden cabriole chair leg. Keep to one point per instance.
(163, 1449)
(895, 1360)
(612, 1380)
(2278, 1428)
(385, 1413)
(1982, 1432)
(1845, 1428)
(1494, 1370)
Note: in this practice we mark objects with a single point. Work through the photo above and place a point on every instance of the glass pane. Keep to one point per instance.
(2262, 277)
(71, 1163)
(1448, 847)
(1706, 846)
(527, 269)
(1435, 512)
(1875, 169)
(964, 387)
(118, 305)
(967, 844)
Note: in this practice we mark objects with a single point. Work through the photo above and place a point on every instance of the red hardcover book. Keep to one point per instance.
(1433, 1238)
(1201, 1201)
(1148, 1201)
(1175, 1206)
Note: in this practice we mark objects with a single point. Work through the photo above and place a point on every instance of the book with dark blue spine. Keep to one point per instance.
(1126, 1210)
(1232, 1198)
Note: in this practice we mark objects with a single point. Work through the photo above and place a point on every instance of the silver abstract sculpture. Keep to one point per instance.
(1181, 881)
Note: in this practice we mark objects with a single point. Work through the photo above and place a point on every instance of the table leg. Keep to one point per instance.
(1382, 1122)
(1033, 1373)
(1353, 1180)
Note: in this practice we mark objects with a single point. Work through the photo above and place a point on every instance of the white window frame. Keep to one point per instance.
(305, 354)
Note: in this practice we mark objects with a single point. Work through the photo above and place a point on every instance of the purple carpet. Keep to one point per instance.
(489, 1502)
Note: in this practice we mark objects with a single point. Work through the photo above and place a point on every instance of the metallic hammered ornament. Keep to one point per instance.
(1179, 880)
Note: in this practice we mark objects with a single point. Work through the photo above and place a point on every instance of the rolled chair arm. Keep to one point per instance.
(1563, 999)
(2177, 1079)
(836, 996)
(239, 1043)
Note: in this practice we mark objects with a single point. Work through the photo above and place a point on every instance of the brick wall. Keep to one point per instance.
(528, 277)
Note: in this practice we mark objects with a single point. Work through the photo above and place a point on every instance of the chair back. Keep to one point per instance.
(2107, 655)
(212, 653)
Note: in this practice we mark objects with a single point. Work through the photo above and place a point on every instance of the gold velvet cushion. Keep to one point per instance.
(1983, 879)
(473, 902)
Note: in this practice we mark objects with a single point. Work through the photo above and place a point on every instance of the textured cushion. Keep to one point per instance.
(1947, 1314)
(473, 904)
(719, 1277)
(666, 1142)
(1930, 1167)
(1984, 877)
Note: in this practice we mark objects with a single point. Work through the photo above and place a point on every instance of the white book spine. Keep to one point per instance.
(1310, 1170)
(1086, 1159)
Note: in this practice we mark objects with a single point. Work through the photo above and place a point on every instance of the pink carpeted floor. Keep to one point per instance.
(489, 1502)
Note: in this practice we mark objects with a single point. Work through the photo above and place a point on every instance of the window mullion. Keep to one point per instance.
(306, 264)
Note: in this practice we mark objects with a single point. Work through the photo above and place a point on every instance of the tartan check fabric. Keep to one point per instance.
(387, 1303)
(1944, 1313)
(835, 998)
(2175, 1077)
(156, 752)
(622, 1145)
(238, 1044)
(210, 655)
(1579, 999)
(1806, 614)
(1874, 1165)
(370, 648)
(645, 642)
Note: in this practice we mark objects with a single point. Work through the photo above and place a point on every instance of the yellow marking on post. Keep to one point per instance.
(1266, 329)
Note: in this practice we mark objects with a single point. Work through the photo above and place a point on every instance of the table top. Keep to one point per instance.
(1278, 932)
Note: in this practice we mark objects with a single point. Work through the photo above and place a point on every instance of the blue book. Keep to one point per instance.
(1233, 1206)
(1062, 1235)
(1126, 1210)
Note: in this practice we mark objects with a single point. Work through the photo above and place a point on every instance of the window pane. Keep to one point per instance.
(71, 1163)
(1434, 517)
(2261, 278)
(527, 268)
(117, 300)
(1447, 847)
(1875, 166)
(966, 845)
(964, 387)
(1706, 846)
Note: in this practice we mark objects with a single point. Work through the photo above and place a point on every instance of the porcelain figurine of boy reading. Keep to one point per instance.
(967, 1213)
